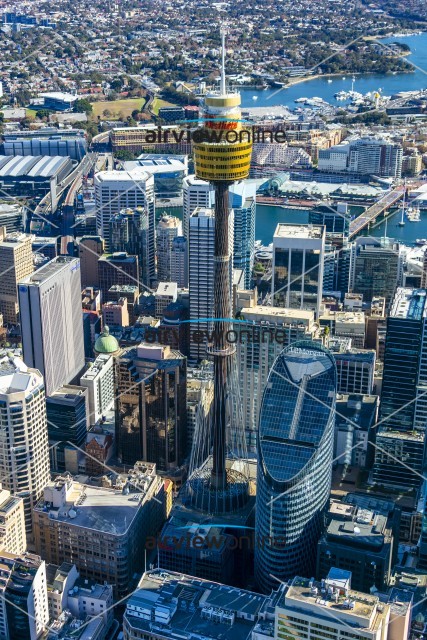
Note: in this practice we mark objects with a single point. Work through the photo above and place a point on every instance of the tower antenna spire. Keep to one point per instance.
(222, 85)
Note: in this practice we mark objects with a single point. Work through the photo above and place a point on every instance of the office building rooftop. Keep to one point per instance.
(15, 375)
(137, 174)
(96, 367)
(300, 231)
(50, 269)
(358, 526)
(110, 510)
(334, 600)
(169, 289)
(409, 304)
(185, 607)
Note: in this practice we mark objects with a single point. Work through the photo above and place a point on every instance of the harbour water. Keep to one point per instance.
(268, 217)
(320, 87)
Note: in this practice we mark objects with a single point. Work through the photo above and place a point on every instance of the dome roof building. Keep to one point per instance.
(106, 343)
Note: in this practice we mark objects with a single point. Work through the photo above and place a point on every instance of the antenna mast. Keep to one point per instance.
(222, 84)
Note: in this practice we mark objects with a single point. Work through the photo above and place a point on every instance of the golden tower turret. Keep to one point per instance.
(222, 147)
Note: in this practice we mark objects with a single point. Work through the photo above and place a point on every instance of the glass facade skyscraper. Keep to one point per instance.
(151, 418)
(298, 260)
(400, 441)
(295, 450)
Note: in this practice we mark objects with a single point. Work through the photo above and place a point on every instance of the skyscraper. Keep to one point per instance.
(151, 406)
(168, 228)
(179, 262)
(298, 257)
(200, 193)
(370, 156)
(67, 411)
(244, 232)
(16, 262)
(24, 455)
(263, 333)
(201, 275)
(404, 362)
(376, 267)
(117, 190)
(403, 406)
(129, 232)
(51, 321)
(24, 612)
(91, 248)
(196, 193)
(295, 449)
(117, 268)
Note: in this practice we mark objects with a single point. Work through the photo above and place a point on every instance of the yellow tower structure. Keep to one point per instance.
(223, 153)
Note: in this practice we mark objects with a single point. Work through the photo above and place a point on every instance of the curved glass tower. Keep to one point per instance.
(295, 450)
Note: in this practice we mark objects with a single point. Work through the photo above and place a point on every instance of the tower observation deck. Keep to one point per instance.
(222, 155)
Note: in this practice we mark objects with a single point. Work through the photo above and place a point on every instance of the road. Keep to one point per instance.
(44, 208)
(377, 209)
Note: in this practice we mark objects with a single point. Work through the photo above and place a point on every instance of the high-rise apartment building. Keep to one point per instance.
(151, 406)
(103, 531)
(51, 321)
(369, 156)
(24, 455)
(24, 610)
(91, 248)
(365, 156)
(168, 228)
(376, 268)
(298, 257)
(295, 449)
(179, 262)
(201, 275)
(117, 190)
(16, 263)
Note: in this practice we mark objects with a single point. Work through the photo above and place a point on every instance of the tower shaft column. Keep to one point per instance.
(221, 349)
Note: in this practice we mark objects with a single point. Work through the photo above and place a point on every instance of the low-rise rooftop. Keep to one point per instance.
(185, 607)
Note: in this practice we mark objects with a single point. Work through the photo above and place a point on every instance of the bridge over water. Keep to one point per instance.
(377, 209)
